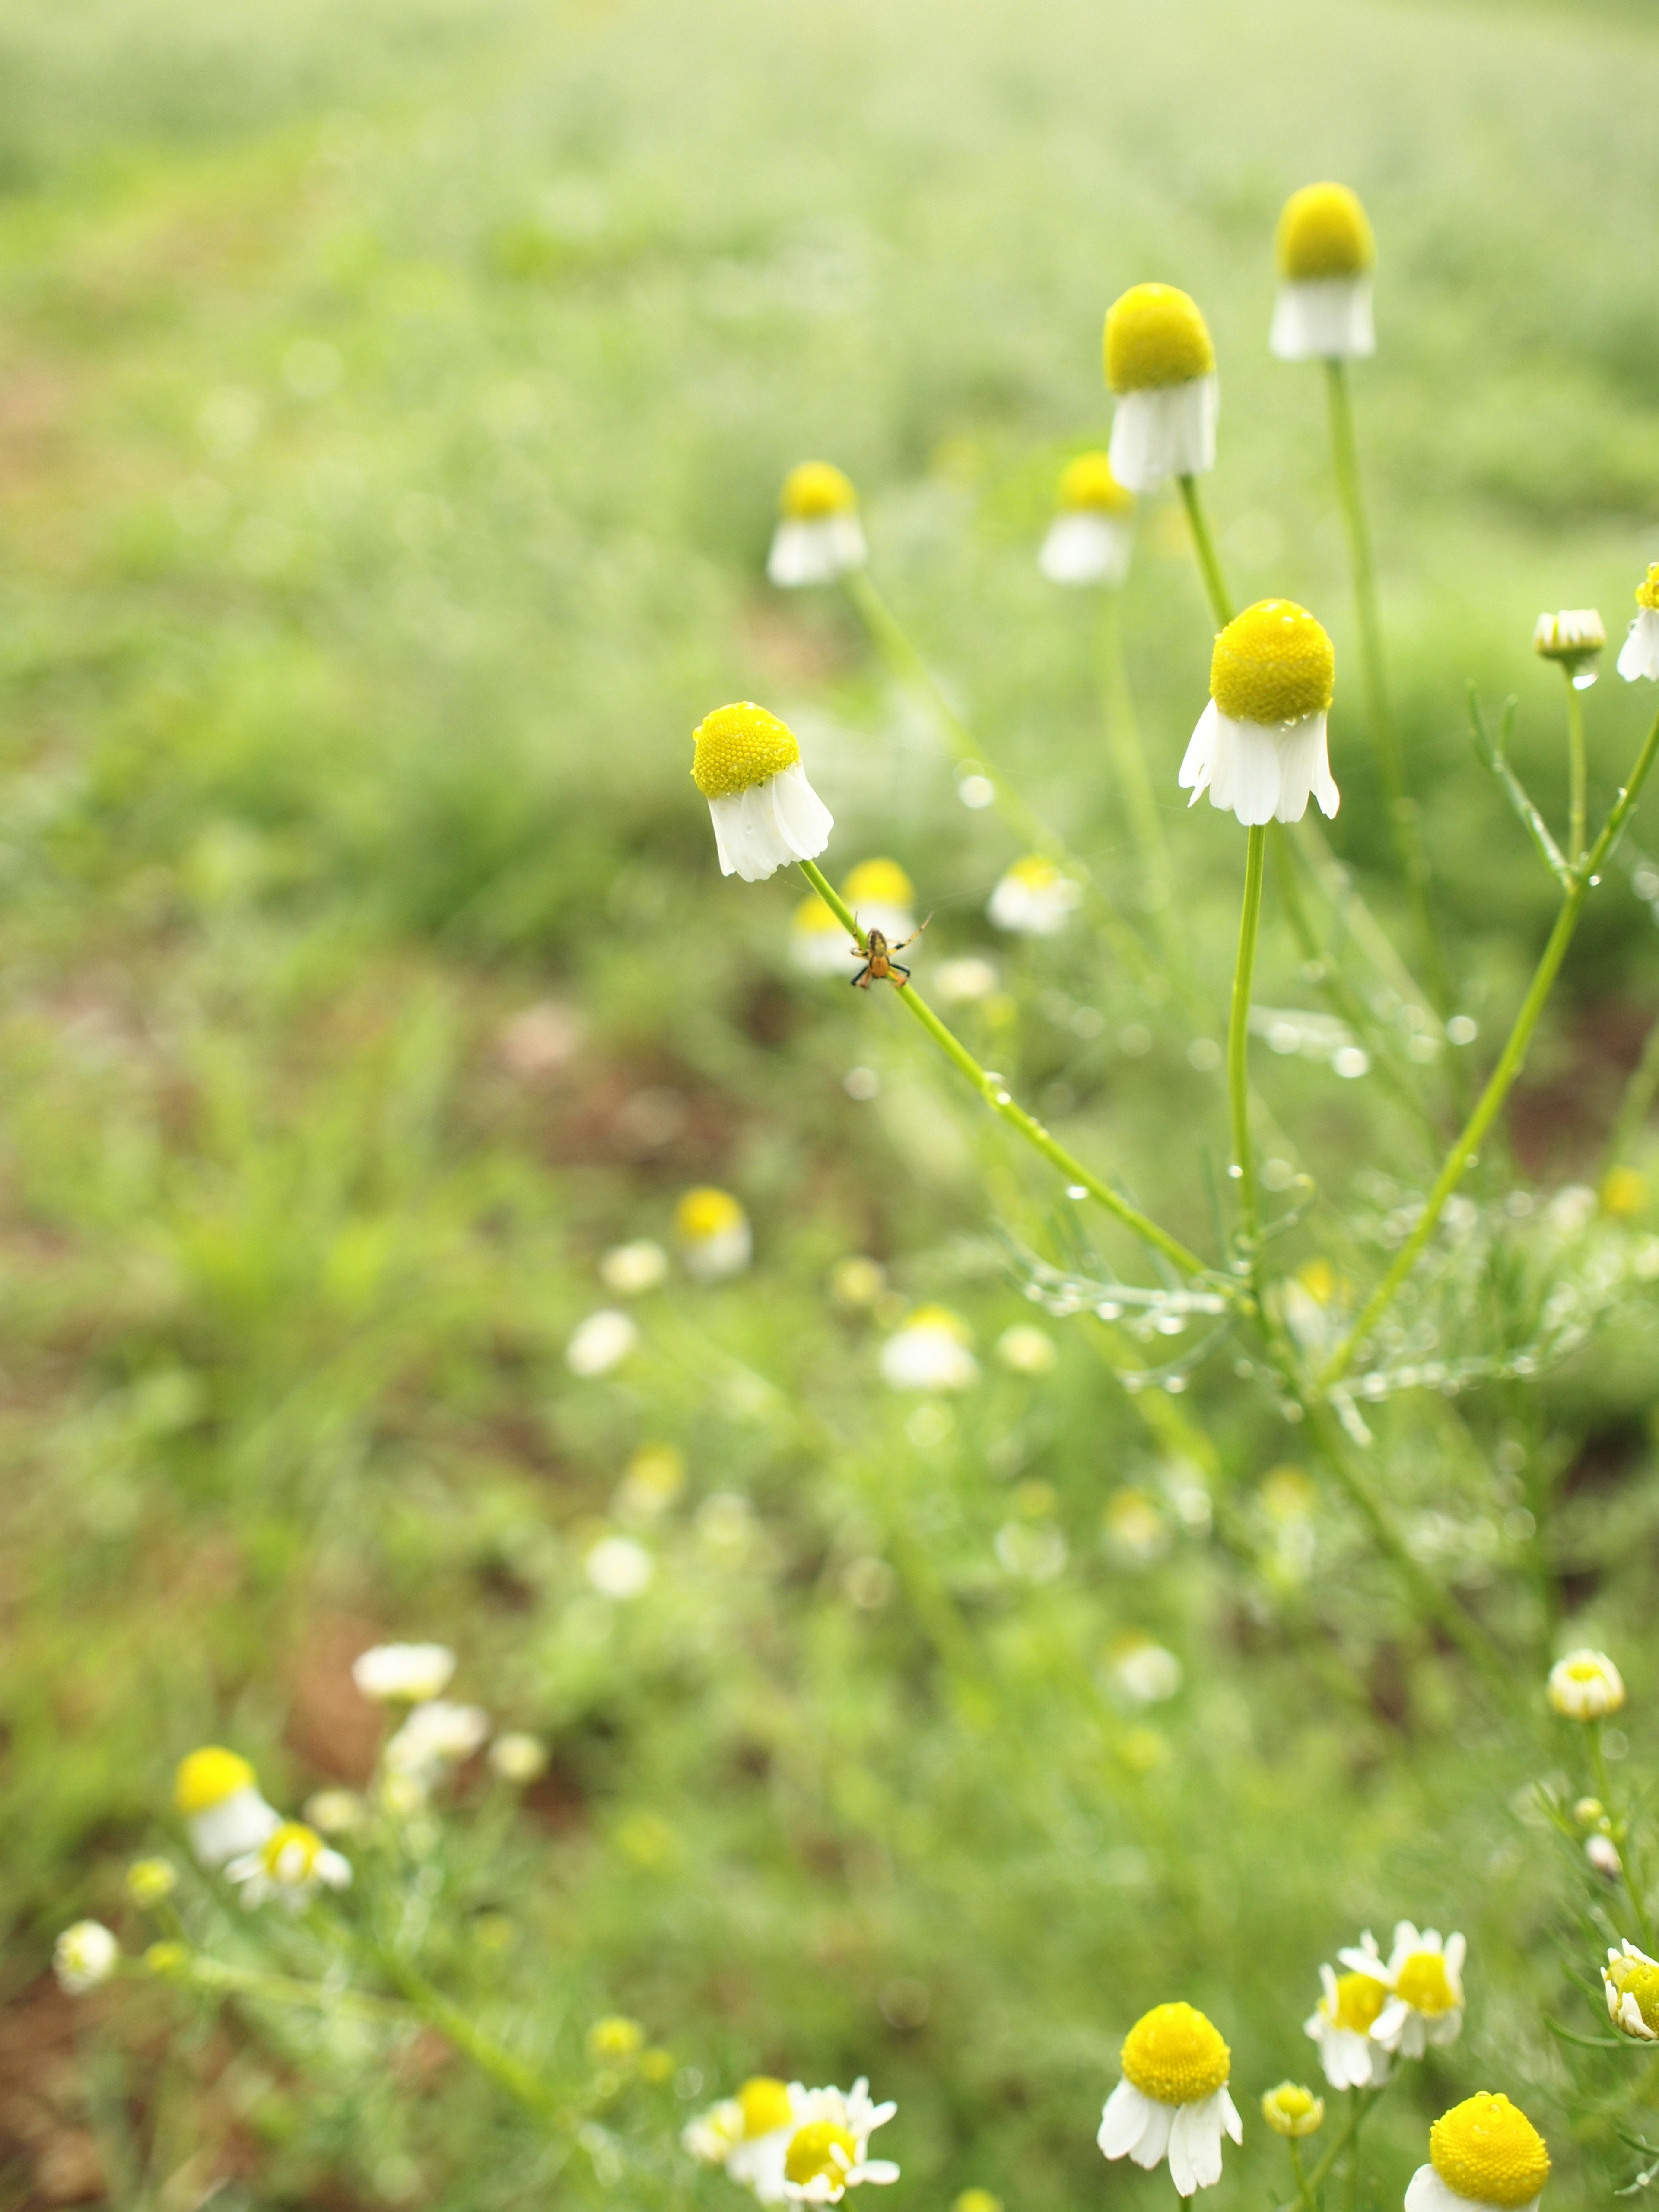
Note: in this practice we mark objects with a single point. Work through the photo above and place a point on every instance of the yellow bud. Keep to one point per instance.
(1290, 2110)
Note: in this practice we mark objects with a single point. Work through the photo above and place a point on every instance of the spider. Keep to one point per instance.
(880, 965)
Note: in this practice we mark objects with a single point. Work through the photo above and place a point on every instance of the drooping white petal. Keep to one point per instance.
(1304, 768)
(1167, 430)
(1195, 2144)
(1457, 1949)
(1086, 547)
(1442, 2027)
(1198, 761)
(771, 825)
(1245, 777)
(816, 551)
(1324, 319)
(1426, 2192)
(877, 2169)
(1122, 2120)
(1638, 656)
(1154, 2139)
(235, 1824)
(1391, 2022)
(1230, 2118)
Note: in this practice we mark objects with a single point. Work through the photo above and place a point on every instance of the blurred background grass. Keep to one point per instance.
(393, 404)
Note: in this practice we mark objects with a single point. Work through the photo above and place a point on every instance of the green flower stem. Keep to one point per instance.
(1360, 2103)
(1577, 769)
(1634, 1105)
(1209, 564)
(285, 1990)
(1123, 735)
(893, 642)
(490, 2058)
(1238, 1040)
(1000, 1101)
(1402, 808)
(1604, 1792)
(1305, 2197)
(1508, 1065)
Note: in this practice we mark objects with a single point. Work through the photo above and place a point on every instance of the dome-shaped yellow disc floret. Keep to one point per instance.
(1293, 2110)
(764, 2104)
(1647, 591)
(814, 490)
(1272, 664)
(1035, 871)
(1156, 335)
(290, 1852)
(1088, 483)
(1488, 2149)
(739, 746)
(812, 2150)
(881, 883)
(942, 1319)
(706, 1212)
(208, 1776)
(1637, 1978)
(1425, 1984)
(1173, 2053)
(1324, 232)
(1359, 2000)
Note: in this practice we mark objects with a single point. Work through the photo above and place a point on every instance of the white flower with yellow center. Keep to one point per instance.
(1484, 2151)
(817, 943)
(1093, 534)
(1160, 365)
(518, 1758)
(403, 1674)
(1574, 637)
(881, 897)
(819, 536)
(293, 1863)
(84, 1957)
(1326, 253)
(713, 1232)
(749, 2134)
(1630, 1980)
(1173, 2100)
(930, 1352)
(628, 1271)
(1423, 1976)
(1034, 899)
(1638, 655)
(1342, 2024)
(1585, 1685)
(766, 815)
(436, 1736)
(601, 1342)
(1260, 749)
(828, 2152)
(1142, 1672)
(218, 1795)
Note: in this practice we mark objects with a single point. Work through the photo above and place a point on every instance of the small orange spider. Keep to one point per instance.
(879, 965)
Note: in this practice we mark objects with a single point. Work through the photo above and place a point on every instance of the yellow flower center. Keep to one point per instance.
(1639, 1977)
(812, 2151)
(208, 1776)
(1088, 482)
(1173, 2053)
(1036, 873)
(1423, 1982)
(814, 490)
(878, 882)
(764, 2104)
(1488, 2149)
(615, 2037)
(1624, 1193)
(941, 1320)
(706, 1212)
(1647, 591)
(1272, 664)
(1323, 231)
(1155, 335)
(1359, 2000)
(290, 1852)
(739, 746)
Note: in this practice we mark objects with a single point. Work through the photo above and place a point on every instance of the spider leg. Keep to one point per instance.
(862, 981)
(912, 938)
(893, 971)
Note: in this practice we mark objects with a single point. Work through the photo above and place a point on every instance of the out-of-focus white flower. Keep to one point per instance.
(1260, 747)
(1585, 1685)
(1603, 1854)
(618, 1568)
(818, 946)
(1424, 1978)
(1033, 898)
(1574, 636)
(336, 1812)
(1093, 534)
(291, 1864)
(403, 1674)
(1342, 2024)
(857, 1281)
(1028, 1351)
(1160, 365)
(713, 1232)
(151, 1882)
(628, 1271)
(217, 1793)
(1143, 1671)
(1638, 656)
(436, 1735)
(1630, 1980)
(1484, 2153)
(1326, 254)
(1571, 1210)
(828, 2153)
(750, 2134)
(1133, 1527)
(601, 1342)
(1173, 2100)
(819, 536)
(930, 1352)
(517, 1757)
(84, 1957)
(1293, 2111)
(958, 982)
(766, 815)
(881, 897)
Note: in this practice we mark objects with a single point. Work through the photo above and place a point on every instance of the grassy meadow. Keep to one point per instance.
(392, 408)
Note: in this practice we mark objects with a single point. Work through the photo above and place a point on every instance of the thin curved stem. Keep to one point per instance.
(1209, 562)
(1577, 769)
(1238, 1039)
(1129, 756)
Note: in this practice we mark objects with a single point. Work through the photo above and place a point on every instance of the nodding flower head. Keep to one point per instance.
(1090, 539)
(747, 765)
(1324, 232)
(1155, 336)
(217, 1793)
(1160, 365)
(206, 1778)
(1173, 2100)
(1259, 746)
(1484, 2151)
(819, 536)
(813, 489)
(1088, 486)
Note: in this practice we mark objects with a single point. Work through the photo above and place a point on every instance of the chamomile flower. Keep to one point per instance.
(1142, 1672)
(1639, 654)
(84, 1957)
(1290, 2110)
(292, 1864)
(818, 536)
(1034, 899)
(1160, 365)
(1424, 1978)
(1342, 2024)
(1090, 537)
(628, 1271)
(1326, 252)
(218, 1795)
(1575, 637)
(600, 1342)
(713, 1232)
(436, 1735)
(1173, 2100)
(828, 2152)
(1484, 2151)
(750, 2134)
(930, 1352)
(1630, 1980)
(1260, 748)
(516, 1757)
(766, 815)
(881, 897)
(1585, 1685)
(403, 1674)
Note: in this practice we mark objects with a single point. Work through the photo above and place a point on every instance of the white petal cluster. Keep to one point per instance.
(851, 2115)
(1638, 656)
(1144, 2129)
(1351, 2059)
(1628, 1971)
(403, 1674)
(290, 1866)
(1165, 430)
(1585, 1685)
(1034, 899)
(1423, 1975)
(816, 550)
(1324, 319)
(84, 1956)
(770, 825)
(436, 1736)
(930, 1352)
(601, 1342)
(1260, 771)
(1084, 546)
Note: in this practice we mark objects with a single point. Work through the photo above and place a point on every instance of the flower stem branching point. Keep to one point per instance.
(1160, 364)
(747, 765)
(1326, 250)
(1484, 2151)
